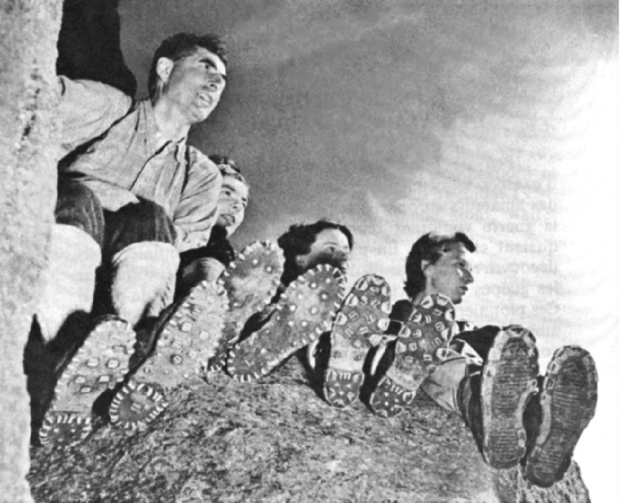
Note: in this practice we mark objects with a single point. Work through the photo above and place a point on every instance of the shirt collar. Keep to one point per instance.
(148, 127)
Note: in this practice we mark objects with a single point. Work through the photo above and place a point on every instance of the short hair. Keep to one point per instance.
(430, 247)
(298, 239)
(182, 45)
(228, 167)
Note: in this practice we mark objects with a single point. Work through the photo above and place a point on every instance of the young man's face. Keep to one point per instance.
(450, 275)
(231, 204)
(195, 84)
(330, 246)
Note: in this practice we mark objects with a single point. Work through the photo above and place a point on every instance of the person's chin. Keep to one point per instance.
(456, 299)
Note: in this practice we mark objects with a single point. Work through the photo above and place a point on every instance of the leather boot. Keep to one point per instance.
(492, 401)
(555, 419)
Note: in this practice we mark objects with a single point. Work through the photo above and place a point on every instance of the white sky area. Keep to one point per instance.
(398, 118)
(547, 237)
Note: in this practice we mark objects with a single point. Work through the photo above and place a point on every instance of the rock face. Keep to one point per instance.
(28, 157)
(277, 440)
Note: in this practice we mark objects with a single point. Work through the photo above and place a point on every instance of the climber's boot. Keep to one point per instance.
(493, 400)
(184, 341)
(250, 282)
(358, 326)
(559, 414)
(429, 328)
(98, 365)
(302, 314)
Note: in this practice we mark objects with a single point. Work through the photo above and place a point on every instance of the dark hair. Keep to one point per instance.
(228, 167)
(430, 247)
(298, 239)
(182, 45)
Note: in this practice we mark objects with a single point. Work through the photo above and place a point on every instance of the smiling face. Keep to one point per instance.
(231, 204)
(450, 275)
(330, 246)
(193, 84)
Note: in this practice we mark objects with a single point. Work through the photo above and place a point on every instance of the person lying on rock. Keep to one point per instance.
(489, 375)
(130, 200)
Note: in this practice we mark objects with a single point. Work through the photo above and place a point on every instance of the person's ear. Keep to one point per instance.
(164, 68)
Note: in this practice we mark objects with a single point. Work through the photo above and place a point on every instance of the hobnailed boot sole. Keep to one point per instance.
(186, 341)
(509, 378)
(101, 363)
(251, 282)
(428, 329)
(303, 313)
(364, 314)
(568, 402)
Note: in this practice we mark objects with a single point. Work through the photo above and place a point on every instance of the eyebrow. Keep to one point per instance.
(233, 188)
(333, 243)
(211, 62)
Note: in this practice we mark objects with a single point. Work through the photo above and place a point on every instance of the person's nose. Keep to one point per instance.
(344, 261)
(468, 277)
(237, 206)
(215, 82)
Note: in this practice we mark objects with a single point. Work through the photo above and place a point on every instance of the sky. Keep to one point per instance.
(499, 119)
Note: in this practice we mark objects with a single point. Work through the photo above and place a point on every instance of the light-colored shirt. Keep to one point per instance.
(124, 161)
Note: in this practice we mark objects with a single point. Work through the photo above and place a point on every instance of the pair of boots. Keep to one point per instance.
(517, 417)
(143, 276)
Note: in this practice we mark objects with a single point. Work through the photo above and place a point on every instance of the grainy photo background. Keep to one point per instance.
(499, 119)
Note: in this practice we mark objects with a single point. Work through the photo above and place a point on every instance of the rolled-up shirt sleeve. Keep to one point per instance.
(87, 109)
(197, 211)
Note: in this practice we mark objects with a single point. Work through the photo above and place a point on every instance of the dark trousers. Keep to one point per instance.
(144, 221)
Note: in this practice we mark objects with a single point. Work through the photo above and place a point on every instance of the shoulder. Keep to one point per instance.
(200, 161)
(202, 173)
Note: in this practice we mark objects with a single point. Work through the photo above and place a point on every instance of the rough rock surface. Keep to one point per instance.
(277, 440)
(28, 157)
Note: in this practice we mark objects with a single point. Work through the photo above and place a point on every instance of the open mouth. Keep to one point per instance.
(229, 220)
(206, 99)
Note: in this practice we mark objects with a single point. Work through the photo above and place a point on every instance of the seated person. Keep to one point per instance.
(310, 290)
(208, 262)
(131, 200)
(490, 376)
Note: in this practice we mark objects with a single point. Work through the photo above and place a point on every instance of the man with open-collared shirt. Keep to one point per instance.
(131, 196)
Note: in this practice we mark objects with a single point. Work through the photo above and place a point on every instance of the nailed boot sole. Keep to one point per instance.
(364, 314)
(101, 362)
(186, 341)
(303, 313)
(428, 329)
(250, 281)
(568, 401)
(508, 380)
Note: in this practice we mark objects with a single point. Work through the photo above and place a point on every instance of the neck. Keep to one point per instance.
(171, 123)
